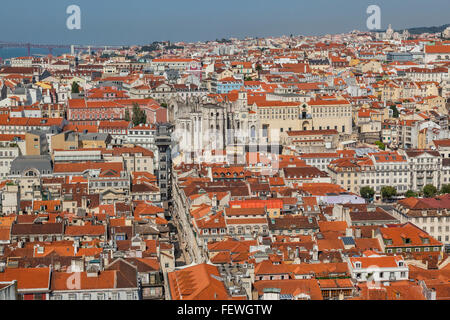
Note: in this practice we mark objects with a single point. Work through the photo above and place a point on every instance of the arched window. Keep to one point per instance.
(30, 173)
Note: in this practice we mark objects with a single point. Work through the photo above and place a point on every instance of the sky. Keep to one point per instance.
(120, 22)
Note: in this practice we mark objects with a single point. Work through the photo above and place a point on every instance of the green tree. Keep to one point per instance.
(164, 105)
(127, 115)
(367, 192)
(139, 115)
(395, 112)
(429, 191)
(258, 67)
(380, 145)
(143, 118)
(445, 188)
(248, 79)
(387, 192)
(75, 87)
(410, 194)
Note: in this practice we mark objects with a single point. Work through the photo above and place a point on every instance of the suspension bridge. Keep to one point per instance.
(51, 47)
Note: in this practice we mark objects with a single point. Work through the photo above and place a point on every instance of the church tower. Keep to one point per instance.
(242, 99)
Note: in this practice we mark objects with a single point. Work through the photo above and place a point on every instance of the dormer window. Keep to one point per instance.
(358, 265)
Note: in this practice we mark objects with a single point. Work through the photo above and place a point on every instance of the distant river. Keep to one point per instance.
(7, 53)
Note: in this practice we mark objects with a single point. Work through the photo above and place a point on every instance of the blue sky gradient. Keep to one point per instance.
(119, 22)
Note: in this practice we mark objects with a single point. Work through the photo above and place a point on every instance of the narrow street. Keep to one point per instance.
(189, 252)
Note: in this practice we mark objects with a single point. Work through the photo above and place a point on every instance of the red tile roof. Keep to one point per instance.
(28, 278)
(199, 282)
(91, 230)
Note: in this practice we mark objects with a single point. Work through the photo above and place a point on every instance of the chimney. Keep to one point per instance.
(92, 272)
(214, 201)
(432, 294)
(349, 232)
(76, 266)
(83, 202)
(75, 248)
(315, 252)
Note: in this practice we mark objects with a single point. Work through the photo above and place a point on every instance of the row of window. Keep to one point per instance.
(96, 116)
(240, 230)
(108, 184)
(147, 132)
(6, 163)
(431, 219)
(332, 115)
(214, 231)
(6, 154)
(288, 117)
(432, 229)
(426, 249)
(277, 111)
(114, 131)
(382, 275)
(368, 181)
(98, 296)
(322, 110)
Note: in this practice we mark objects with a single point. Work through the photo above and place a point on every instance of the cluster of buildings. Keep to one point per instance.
(288, 168)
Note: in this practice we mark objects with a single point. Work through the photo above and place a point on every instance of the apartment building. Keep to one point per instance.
(142, 135)
(331, 113)
(437, 53)
(117, 129)
(319, 160)
(389, 169)
(378, 268)
(376, 171)
(432, 215)
(9, 150)
(134, 158)
(406, 238)
(312, 140)
(400, 134)
(281, 116)
(425, 167)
